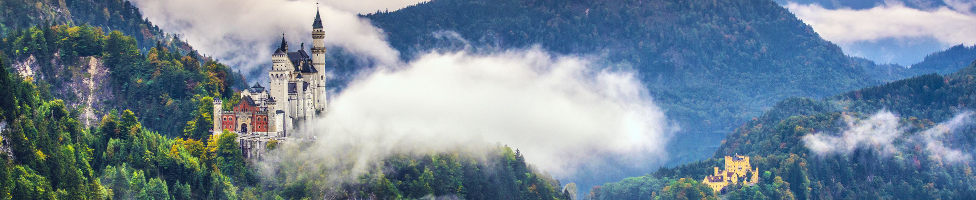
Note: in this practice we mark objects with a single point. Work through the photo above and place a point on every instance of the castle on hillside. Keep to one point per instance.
(296, 92)
(737, 169)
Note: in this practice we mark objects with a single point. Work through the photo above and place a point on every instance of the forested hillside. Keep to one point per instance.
(48, 154)
(110, 15)
(946, 61)
(101, 71)
(915, 165)
(149, 71)
(712, 64)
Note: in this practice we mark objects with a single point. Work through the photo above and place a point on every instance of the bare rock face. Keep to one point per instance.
(85, 84)
(27, 69)
(91, 88)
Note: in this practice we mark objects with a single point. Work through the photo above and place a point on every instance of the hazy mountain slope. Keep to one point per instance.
(946, 61)
(712, 64)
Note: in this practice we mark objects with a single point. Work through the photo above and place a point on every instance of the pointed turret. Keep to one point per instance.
(283, 48)
(318, 19)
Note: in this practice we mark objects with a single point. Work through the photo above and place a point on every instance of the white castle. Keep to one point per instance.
(296, 92)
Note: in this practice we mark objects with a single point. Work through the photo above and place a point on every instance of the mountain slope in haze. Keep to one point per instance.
(946, 61)
(932, 112)
(711, 64)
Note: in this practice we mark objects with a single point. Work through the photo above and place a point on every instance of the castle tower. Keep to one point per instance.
(279, 75)
(318, 61)
(217, 110)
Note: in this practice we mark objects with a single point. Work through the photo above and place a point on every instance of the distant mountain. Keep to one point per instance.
(711, 64)
(789, 168)
(946, 61)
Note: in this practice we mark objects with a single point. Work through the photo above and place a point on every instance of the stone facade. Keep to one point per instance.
(295, 93)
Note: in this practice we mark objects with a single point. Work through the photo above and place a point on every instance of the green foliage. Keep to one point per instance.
(50, 155)
(500, 174)
(230, 160)
(27, 184)
(118, 15)
(161, 86)
(642, 187)
(199, 127)
(685, 189)
(128, 183)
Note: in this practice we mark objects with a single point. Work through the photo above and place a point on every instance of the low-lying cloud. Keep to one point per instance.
(878, 132)
(882, 132)
(845, 26)
(560, 111)
(932, 138)
(242, 33)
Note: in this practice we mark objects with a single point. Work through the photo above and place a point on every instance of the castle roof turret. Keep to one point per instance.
(318, 19)
(257, 88)
(283, 48)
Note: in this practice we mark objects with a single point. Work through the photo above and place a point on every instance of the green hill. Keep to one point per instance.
(789, 166)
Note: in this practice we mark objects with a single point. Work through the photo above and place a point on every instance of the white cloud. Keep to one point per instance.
(845, 26)
(877, 132)
(881, 130)
(560, 111)
(241, 33)
(933, 137)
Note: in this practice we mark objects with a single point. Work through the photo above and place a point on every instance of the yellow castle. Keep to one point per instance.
(737, 169)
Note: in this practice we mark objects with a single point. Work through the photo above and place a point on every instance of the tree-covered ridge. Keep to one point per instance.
(946, 61)
(51, 156)
(161, 86)
(112, 15)
(776, 143)
(499, 173)
(711, 64)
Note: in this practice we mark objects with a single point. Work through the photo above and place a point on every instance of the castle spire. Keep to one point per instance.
(318, 18)
(284, 44)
